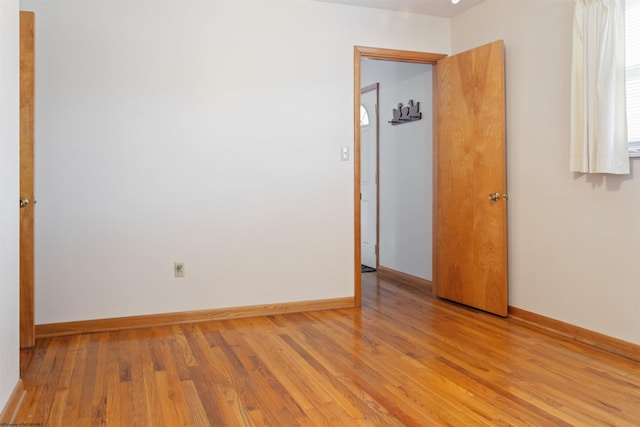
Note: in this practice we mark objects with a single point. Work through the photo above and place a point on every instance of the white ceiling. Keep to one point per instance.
(425, 7)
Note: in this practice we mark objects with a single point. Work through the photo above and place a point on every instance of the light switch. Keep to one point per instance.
(345, 153)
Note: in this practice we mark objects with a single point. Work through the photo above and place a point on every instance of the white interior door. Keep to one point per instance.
(369, 175)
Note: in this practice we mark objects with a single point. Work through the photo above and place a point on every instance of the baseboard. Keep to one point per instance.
(10, 411)
(586, 336)
(418, 283)
(133, 322)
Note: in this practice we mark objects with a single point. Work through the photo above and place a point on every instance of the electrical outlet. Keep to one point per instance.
(178, 269)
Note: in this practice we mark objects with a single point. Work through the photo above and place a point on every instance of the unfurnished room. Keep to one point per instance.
(319, 212)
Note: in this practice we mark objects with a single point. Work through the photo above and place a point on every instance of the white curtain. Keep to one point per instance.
(599, 141)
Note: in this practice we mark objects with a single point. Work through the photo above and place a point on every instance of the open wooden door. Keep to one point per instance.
(471, 265)
(27, 202)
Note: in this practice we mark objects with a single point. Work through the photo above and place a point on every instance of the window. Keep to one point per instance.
(364, 116)
(632, 28)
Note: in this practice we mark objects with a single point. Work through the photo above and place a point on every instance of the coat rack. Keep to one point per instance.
(407, 114)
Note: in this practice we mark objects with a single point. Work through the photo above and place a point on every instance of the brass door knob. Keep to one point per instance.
(24, 203)
(494, 197)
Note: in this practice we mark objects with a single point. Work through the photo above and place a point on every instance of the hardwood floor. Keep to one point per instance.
(402, 359)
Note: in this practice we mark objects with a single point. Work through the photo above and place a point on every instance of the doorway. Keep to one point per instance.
(381, 54)
(405, 161)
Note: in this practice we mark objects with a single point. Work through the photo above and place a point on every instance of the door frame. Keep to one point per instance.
(361, 52)
(376, 87)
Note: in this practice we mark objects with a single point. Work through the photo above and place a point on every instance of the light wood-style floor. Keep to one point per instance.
(403, 359)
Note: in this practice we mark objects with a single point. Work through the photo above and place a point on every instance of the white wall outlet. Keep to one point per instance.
(178, 269)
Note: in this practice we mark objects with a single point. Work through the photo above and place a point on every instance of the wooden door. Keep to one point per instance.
(471, 254)
(27, 202)
(369, 177)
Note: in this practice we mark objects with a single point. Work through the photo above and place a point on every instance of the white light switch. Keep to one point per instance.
(345, 153)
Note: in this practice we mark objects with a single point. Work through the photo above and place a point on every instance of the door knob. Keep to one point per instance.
(494, 197)
(24, 202)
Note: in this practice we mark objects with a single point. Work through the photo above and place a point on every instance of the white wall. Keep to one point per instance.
(204, 132)
(406, 180)
(574, 240)
(9, 185)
